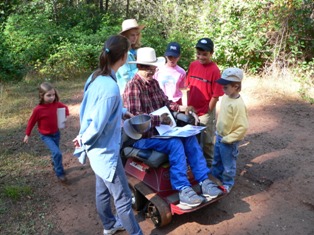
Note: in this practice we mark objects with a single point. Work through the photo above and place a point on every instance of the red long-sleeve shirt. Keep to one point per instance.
(201, 79)
(45, 115)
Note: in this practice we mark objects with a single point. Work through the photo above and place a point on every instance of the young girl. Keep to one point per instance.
(171, 76)
(132, 31)
(45, 115)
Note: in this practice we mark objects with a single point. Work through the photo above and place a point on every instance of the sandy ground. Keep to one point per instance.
(274, 185)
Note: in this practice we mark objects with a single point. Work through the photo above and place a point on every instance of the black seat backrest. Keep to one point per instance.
(151, 158)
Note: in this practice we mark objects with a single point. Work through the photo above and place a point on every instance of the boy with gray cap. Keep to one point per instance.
(232, 125)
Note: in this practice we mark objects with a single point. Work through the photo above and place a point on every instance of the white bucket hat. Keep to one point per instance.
(147, 56)
(136, 126)
(130, 24)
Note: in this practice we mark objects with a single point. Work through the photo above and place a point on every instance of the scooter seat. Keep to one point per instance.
(151, 158)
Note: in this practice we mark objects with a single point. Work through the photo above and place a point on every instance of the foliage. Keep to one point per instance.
(61, 39)
(305, 76)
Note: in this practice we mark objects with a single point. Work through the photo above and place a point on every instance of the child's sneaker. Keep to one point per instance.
(116, 227)
(188, 197)
(210, 189)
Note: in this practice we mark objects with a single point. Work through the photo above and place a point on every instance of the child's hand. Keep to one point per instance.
(26, 139)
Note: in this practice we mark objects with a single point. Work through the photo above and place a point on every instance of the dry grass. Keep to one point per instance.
(23, 168)
(26, 167)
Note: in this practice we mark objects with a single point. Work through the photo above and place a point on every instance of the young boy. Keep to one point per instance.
(204, 92)
(171, 76)
(232, 125)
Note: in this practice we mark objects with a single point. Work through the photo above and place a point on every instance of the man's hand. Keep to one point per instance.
(189, 110)
(165, 119)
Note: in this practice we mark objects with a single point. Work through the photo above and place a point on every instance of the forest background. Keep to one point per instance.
(62, 39)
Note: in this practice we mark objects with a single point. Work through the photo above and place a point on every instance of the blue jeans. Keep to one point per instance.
(121, 194)
(180, 151)
(225, 161)
(52, 142)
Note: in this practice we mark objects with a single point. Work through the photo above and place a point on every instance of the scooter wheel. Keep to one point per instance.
(154, 214)
(138, 200)
(159, 213)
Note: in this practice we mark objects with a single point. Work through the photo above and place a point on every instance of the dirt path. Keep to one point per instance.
(274, 186)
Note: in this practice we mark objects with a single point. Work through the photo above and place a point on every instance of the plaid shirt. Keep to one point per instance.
(141, 96)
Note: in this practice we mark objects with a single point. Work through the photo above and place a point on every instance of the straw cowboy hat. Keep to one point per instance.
(147, 56)
(130, 24)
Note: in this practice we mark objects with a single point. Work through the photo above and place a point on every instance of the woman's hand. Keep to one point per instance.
(77, 142)
(127, 115)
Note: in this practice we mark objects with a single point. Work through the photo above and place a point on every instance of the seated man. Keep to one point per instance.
(143, 95)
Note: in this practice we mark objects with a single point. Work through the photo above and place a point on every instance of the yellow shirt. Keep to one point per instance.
(232, 122)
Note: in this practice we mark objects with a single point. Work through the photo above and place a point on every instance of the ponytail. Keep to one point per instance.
(114, 49)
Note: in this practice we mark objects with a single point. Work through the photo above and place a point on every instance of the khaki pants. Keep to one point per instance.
(207, 138)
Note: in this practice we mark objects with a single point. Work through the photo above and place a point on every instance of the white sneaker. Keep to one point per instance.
(116, 227)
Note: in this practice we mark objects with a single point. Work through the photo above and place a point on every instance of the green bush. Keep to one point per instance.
(69, 61)
(304, 74)
(61, 39)
(9, 68)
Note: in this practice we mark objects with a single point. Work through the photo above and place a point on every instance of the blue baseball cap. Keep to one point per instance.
(205, 44)
(173, 49)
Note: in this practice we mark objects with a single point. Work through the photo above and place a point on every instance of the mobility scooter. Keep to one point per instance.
(149, 180)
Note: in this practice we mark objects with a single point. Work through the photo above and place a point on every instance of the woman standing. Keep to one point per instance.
(100, 134)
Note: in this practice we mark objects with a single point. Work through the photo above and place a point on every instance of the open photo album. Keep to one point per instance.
(167, 131)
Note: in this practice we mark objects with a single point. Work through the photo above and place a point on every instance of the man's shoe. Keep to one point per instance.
(210, 189)
(188, 197)
(116, 227)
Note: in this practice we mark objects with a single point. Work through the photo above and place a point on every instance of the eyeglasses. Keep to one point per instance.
(148, 67)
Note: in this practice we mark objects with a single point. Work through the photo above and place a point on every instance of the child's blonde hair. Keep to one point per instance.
(43, 89)
(137, 44)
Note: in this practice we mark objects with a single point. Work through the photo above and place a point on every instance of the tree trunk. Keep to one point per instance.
(107, 5)
(127, 8)
(101, 5)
